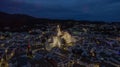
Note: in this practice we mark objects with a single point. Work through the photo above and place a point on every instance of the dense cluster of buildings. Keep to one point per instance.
(83, 45)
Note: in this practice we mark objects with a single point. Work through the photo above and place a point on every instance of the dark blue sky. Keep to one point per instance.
(96, 10)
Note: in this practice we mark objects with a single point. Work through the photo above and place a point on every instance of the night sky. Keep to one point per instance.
(95, 10)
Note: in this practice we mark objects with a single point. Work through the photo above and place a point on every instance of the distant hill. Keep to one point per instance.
(17, 20)
(14, 19)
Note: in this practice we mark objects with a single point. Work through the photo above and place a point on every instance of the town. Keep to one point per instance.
(82, 45)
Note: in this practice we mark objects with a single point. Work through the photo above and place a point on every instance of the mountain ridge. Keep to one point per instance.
(12, 20)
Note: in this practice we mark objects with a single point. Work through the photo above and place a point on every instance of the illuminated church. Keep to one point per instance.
(57, 40)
